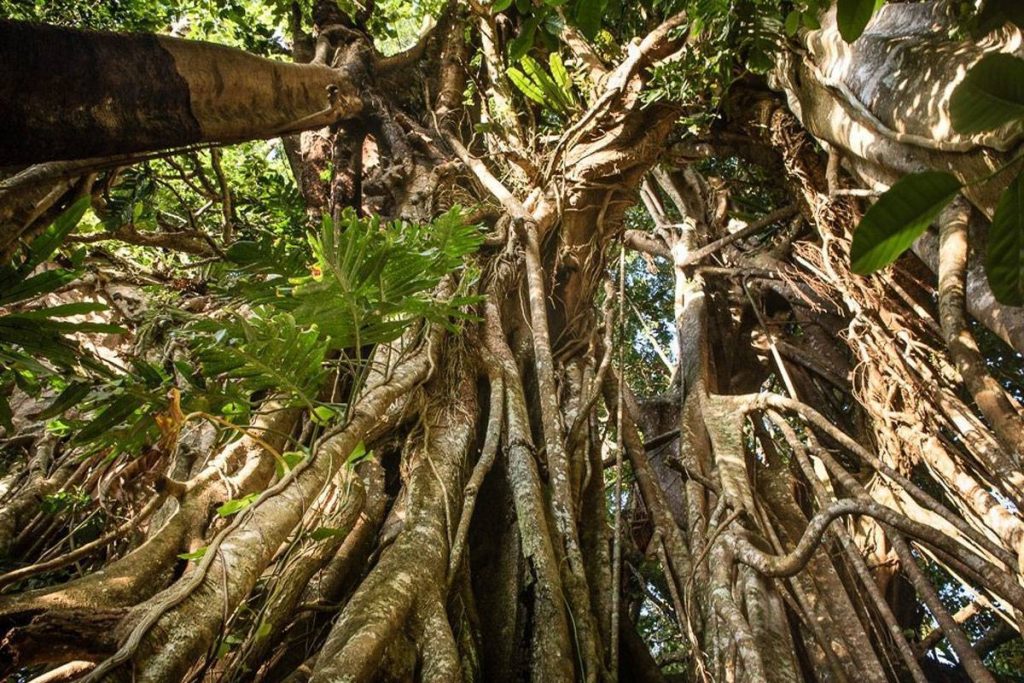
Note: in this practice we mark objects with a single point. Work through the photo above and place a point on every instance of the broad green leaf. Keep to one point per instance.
(853, 16)
(500, 6)
(6, 415)
(899, 217)
(41, 283)
(554, 96)
(559, 73)
(267, 353)
(588, 16)
(322, 415)
(1004, 260)
(991, 94)
(792, 24)
(522, 43)
(101, 328)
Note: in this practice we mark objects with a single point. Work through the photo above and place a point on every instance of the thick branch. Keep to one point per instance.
(135, 92)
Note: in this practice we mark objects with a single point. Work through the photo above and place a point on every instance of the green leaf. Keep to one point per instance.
(44, 245)
(588, 15)
(6, 415)
(71, 396)
(500, 6)
(266, 353)
(1004, 260)
(111, 416)
(14, 289)
(195, 555)
(559, 73)
(236, 505)
(526, 85)
(554, 96)
(792, 23)
(991, 94)
(899, 217)
(323, 415)
(358, 454)
(853, 16)
(376, 279)
(288, 461)
(522, 43)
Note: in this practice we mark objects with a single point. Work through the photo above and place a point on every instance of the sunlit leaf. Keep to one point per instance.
(236, 505)
(195, 555)
(991, 94)
(899, 217)
(852, 17)
(1004, 259)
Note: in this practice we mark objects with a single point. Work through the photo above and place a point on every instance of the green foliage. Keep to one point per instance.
(288, 461)
(265, 352)
(358, 454)
(236, 505)
(899, 217)
(195, 555)
(35, 345)
(553, 91)
(372, 280)
(64, 501)
(991, 94)
(587, 16)
(1004, 261)
(852, 16)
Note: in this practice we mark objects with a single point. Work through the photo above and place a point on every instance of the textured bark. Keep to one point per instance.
(137, 93)
(474, 543)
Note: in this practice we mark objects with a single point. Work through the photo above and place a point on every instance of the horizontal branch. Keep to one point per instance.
(135, 92)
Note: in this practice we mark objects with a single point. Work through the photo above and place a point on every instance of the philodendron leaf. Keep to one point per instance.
(899, 217)
(1004, 260)
(991, 94)
(852, 17)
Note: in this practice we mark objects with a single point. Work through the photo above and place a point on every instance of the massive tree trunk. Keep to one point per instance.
(782, 541)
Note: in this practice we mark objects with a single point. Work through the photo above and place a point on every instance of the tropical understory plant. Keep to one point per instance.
(523, 340)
